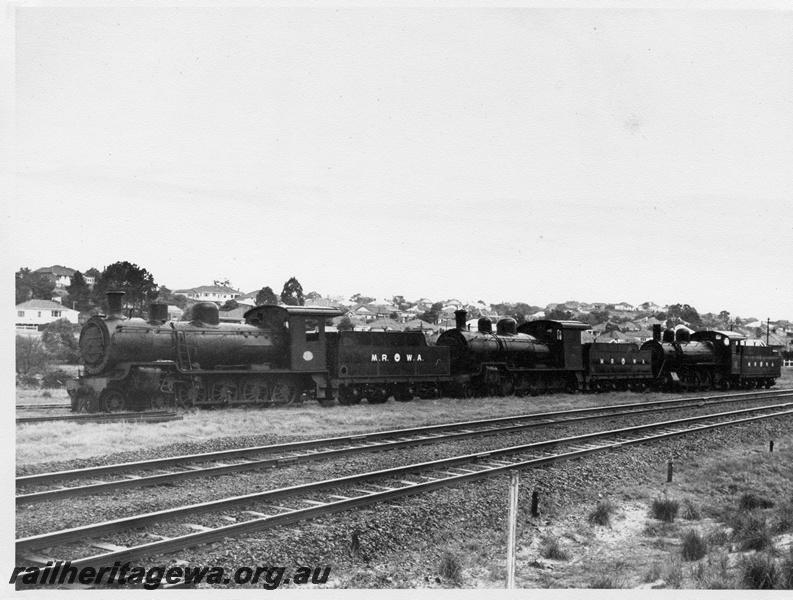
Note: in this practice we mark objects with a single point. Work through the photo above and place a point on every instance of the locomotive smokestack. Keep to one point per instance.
(657, 332)
(459, 318)
(115, 305)
(158, 314)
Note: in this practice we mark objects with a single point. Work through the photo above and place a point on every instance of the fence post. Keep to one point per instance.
(669, 472)
(514, 482)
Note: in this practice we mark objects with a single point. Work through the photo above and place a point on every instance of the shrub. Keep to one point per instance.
(552, 548)
(601, 514)
(664, 509)
(694, 546)
(28, 380)
(450, 567)
(749, 501)
(760, 572)
(55, 379)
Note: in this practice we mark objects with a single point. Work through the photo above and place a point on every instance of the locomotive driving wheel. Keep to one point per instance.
(706, 382)
(112, 401)
(224, 391)
(284, 392)
(256, 391)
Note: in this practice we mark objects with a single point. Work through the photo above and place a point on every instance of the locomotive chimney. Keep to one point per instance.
(158, 314)
(683, 336)
(459, 318)
(115, 304)
(657, 332)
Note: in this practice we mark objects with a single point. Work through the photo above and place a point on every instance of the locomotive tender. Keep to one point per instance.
(281, 353)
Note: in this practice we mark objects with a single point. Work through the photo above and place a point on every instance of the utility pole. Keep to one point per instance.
(767, 330)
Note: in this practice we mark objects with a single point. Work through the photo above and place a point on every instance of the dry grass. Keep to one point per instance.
(66, 441)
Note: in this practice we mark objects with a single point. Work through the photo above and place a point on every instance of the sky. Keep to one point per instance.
(529, 154)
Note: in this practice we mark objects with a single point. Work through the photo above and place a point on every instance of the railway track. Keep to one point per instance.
(60, 405)
(268, 509)
(172, 469)
(145, 417)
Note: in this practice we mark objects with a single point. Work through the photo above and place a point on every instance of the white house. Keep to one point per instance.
(41, 312)
(210, 293)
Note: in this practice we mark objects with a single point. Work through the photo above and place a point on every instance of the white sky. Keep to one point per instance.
(534, 154)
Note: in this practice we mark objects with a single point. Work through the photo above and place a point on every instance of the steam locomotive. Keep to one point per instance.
(281, 353)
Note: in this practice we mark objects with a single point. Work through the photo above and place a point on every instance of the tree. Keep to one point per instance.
(137, 283)
(59, 340)
(230, 305)
(559, 314)
(31, 355)
(361, 299)
(345, 324)
(398, 301)
(266, 296)
(79, 293)
(31, 285)
(292, 294)
(313, 296)
(221, 282)
(166, 296)
(431, 315)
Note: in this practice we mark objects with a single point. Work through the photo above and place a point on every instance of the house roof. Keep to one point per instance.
(56, 270)
(215, 289)
(37, 304)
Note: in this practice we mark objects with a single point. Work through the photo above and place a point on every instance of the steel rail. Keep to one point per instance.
(224, 469)
(157, 463)
(42, 406)
(89, 531)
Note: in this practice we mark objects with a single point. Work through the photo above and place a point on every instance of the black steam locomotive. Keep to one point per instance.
(281, 353)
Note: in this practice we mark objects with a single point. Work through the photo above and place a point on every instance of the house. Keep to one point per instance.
(60, 276)
(38, 313)
(624, 306)
(210, 293)
(174, 312)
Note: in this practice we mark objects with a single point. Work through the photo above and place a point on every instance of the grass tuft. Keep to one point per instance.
(551, 548)
(751, 531)
(601, 514)
(664, 509)
(450, 567)
(749, 501)
(783, 518)
(694, 545)
(760, 572)
(690, 511)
